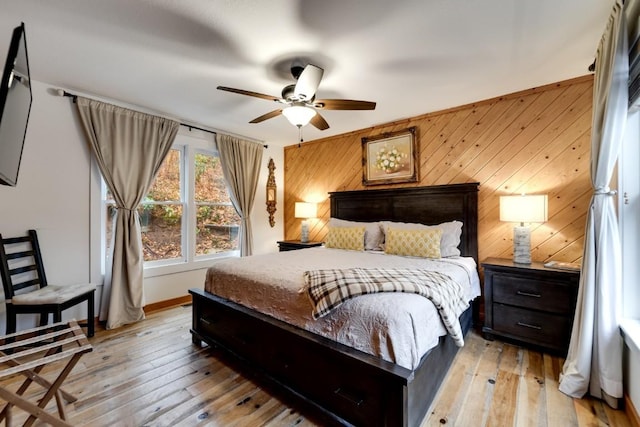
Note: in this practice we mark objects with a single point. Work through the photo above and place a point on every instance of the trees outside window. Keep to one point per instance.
(217, 222)
(187, 214)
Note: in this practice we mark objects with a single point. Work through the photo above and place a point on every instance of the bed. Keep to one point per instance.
(341, 384)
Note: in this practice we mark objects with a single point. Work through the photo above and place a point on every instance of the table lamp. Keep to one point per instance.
(305, 211)
(523, 209)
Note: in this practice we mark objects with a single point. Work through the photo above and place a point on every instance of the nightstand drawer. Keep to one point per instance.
(544, 329)
(534, 294)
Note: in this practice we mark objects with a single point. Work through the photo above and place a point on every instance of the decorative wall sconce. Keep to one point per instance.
(271, 193)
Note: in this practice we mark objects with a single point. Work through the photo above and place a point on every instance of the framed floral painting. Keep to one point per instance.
(390, 158)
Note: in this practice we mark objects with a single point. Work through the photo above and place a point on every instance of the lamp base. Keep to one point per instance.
(521, 245)
(304, 232)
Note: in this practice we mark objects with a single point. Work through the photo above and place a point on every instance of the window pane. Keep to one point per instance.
(209, 180)
(166, 186)
(217, 229)
(110, 212)
(161, 231)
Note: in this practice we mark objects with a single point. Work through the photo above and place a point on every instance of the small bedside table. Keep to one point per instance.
(529, 303)
(292, 245)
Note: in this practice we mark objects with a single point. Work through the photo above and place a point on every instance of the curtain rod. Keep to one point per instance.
(207, 130)
(62, 92)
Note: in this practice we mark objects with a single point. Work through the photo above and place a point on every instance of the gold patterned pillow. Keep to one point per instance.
(419, 243)
(351, 238)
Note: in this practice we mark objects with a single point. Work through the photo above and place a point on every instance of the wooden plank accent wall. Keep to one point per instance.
(535, 141)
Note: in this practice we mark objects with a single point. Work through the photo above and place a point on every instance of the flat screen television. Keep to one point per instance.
(15, 106)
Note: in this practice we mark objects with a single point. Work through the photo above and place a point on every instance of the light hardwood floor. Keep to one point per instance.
(150, 374)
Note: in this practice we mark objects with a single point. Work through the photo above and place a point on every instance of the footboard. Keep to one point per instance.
(345, 386)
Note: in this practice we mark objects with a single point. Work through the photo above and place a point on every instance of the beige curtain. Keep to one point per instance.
(241, 161)
(129, 147)
(594, 361)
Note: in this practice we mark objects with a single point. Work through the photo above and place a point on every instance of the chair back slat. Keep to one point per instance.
(23, 254)
(26, 284)
(24, 260)
(21, 270)
(14, 240)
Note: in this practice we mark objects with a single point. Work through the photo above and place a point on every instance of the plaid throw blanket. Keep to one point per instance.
(327, 289)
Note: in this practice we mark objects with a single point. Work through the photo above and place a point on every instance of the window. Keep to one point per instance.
(161, 212)
(629, 214)
(217, 222)
(187, 214)
(629, 209)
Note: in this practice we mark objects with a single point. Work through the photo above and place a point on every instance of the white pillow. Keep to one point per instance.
(451, 232)
(373, 235)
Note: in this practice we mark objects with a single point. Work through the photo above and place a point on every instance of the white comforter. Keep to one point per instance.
(398, 327)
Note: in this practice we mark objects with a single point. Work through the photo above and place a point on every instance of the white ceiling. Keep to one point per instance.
(410, 56)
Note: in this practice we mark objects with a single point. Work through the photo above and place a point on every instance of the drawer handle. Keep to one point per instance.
(527, 325)
(528, 294)
(207, 321)
(350, 396)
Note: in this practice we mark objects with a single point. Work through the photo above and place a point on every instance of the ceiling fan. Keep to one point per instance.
(299, 99)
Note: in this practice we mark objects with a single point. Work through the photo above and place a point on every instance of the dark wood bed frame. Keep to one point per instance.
(342, 385)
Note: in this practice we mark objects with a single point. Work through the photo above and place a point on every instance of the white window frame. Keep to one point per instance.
(189, 142)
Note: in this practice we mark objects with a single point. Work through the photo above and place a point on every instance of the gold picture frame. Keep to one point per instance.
(390, 158)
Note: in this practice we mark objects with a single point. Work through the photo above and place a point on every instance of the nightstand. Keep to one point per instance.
(529, 303)
(292, 245)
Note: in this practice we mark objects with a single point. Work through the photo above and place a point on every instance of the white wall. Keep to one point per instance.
(53, 196)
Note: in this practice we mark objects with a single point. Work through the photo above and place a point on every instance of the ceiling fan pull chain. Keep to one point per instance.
(299, 134)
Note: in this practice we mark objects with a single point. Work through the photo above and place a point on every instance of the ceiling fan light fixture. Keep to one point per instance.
(299, 115)
(299, 102)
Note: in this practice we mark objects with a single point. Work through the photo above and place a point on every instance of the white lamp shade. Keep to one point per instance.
(524, 208)
(299, 115)
(306, 210)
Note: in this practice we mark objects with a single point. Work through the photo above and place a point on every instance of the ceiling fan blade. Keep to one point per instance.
(344, 104)
(249, 93)
(269, 115)
(308, 82)
(319, 122)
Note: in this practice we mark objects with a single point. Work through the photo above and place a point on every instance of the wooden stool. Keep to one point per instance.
(27, 353)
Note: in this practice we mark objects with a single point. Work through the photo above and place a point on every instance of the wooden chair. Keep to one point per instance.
(26, 289)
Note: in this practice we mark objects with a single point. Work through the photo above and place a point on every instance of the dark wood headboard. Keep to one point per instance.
(426, 205)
